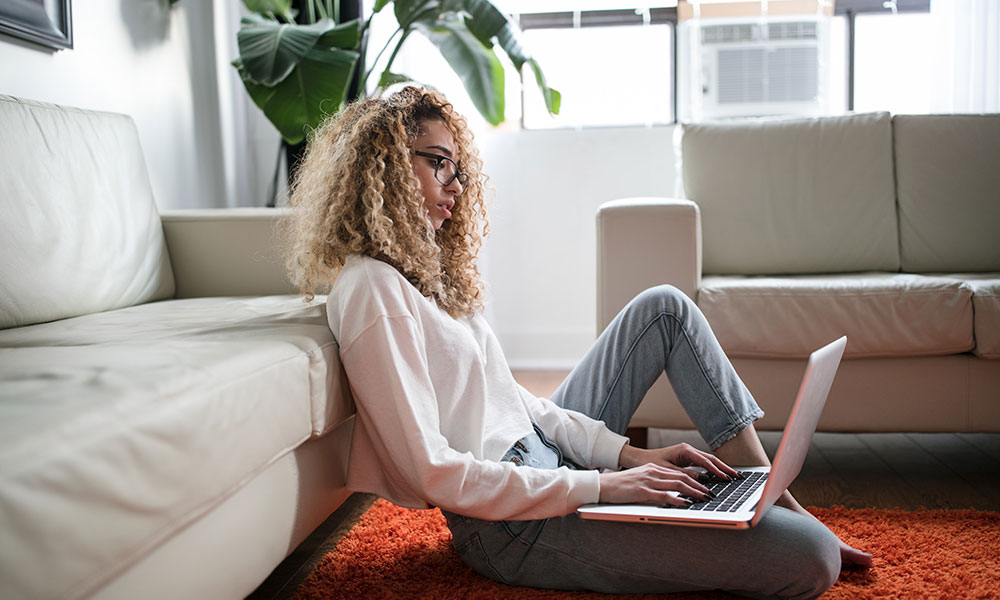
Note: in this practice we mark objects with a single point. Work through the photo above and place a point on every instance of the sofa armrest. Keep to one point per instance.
(226, 252)
(644, 242)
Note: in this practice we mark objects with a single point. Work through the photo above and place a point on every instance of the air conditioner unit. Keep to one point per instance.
(754, 67)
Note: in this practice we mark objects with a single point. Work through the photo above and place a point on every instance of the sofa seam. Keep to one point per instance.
(837, 293)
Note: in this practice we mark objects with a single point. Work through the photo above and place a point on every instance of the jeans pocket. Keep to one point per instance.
(524, 531)
(474, 556)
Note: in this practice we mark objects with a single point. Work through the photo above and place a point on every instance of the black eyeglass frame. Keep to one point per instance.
(463, 177)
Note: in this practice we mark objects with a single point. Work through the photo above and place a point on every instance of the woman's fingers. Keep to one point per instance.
(690, 456)
(714, 465)
(668, 499)
(651, 484)
(666, 479)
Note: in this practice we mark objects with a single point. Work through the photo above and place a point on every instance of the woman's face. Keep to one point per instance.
(439, 198)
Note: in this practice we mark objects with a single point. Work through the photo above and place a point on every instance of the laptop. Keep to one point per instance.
(741, 504)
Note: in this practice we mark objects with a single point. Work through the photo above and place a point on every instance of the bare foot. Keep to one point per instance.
(853, 558)
(850, 557)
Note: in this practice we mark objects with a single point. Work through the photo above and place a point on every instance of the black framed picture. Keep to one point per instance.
(45, 22)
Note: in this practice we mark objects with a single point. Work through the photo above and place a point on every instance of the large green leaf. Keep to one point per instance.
(409, 12)
(476, 64)
(346, 36)
(270, 50)
(279, 7)
(388, 78)
(553, 99)
(313, 90)
(486, 22)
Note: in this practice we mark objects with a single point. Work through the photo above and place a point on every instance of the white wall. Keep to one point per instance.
(144, 59)
(540, 261)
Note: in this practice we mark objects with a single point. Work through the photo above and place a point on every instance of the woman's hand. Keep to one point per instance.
(651, 475)
(651, 484)
(680, 455)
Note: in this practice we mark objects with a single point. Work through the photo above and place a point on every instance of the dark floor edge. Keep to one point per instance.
(286, 577)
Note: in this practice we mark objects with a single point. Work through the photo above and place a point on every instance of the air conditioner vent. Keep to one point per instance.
(792, 30)
(741, 76)
(729, 34)
(741, 33)
(754, 75)
(754, 67)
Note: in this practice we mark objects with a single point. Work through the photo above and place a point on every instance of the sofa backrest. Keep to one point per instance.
(79, 230)
(794, 196)
(948, 185)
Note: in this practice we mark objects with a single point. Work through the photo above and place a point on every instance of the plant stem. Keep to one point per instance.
(364, 80)
(312, 11)
(323, 12)
(364, 28)
(392, 57)
(334, 9)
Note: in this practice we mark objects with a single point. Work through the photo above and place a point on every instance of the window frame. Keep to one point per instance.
(849, 9)
(607, 18)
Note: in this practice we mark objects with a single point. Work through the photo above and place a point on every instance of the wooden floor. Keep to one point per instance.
(897, 470)
(906, 470)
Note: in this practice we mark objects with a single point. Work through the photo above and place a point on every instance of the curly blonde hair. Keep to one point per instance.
(356, 193)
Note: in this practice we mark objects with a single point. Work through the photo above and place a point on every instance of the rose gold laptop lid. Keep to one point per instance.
(802, 421)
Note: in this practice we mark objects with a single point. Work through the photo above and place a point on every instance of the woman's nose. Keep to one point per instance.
(455, 186)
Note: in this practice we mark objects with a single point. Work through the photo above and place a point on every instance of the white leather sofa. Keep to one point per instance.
(795, 232)
(174, 420)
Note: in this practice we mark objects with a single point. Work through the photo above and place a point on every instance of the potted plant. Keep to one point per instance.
(298, 68)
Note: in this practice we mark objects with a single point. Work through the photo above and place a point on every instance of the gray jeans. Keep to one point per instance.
(786, 555)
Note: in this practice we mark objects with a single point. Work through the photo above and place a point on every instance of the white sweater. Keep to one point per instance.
(437, 408)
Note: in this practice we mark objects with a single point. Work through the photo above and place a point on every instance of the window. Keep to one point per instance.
(879, 19)
(643, 62)
(613, 61)
(892, 64)
(729, 62)
(598, 87)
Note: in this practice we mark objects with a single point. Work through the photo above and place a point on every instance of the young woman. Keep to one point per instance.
(389, 216)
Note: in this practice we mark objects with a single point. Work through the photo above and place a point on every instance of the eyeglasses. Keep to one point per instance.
(445, 169)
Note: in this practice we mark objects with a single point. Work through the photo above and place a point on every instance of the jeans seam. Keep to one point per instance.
(628, 355)
(715, 388)
(476, 540)
(563, 460)
(733, 431)
(621, 369)
(519, 539)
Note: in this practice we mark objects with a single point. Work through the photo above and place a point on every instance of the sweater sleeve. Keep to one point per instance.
(387, 368)
(586, 441)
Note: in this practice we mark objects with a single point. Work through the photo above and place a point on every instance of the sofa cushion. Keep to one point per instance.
(80, 232)
(882, 314)
(794, 196)
(117, 429)
(948, 182)
(985, 289)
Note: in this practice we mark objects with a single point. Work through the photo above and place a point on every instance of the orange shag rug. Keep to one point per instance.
(400, 553)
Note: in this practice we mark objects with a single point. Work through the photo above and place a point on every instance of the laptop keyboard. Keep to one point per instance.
(729, 495)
